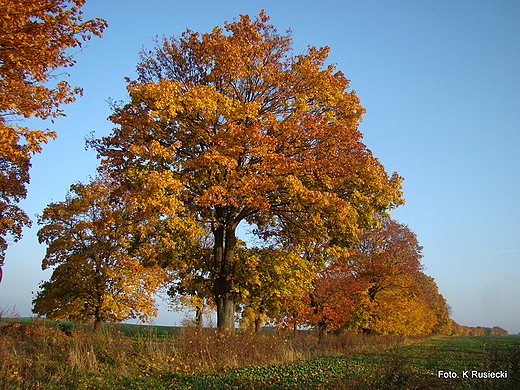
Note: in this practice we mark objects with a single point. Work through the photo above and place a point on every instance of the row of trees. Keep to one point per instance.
(222, 129)
(111, 253)
(378, 287)
(460, 330)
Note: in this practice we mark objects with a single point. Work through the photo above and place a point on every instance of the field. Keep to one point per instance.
(36, 355)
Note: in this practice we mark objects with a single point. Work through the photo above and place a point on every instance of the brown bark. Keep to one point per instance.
(224, 253)
(98, 326)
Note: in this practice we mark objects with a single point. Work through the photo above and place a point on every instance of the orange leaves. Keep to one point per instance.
(378, 286)
(251, 133)
(214, 196)
(34, 36)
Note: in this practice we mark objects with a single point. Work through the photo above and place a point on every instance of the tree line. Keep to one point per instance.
(225, 129)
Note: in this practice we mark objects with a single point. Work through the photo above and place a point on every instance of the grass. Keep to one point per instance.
(33, 356)
(402, 365)
(422, 364)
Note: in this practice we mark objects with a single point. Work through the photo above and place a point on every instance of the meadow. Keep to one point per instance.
(37, 354)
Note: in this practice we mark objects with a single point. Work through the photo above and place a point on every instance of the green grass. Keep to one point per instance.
(417, 365)
(319, 373)
(412, 366)
(140, 357)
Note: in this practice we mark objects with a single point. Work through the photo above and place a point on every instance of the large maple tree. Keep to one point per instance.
(35, 38)
(253, 133)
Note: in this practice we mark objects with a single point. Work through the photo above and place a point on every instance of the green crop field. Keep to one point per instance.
(432, 363)
(33, 356)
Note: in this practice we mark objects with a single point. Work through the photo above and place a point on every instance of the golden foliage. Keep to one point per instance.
(378, 286)
(252, 133)
(267, 282)
(34, 38)
(106, 246)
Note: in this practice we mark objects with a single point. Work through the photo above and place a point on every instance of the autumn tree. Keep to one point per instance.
(35, 41)
(437, 304)
(255, 134)
(104, 253)
(328, 305)
(267, 280)
(379, 287)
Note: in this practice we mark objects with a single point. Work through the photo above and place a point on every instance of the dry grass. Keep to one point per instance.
(33, 356)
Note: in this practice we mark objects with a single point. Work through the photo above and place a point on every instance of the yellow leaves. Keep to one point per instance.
(248, 132)
(105, 253)
(214, 157)
(34, 36)
(174, 101)
(268, 279)
(154, 150)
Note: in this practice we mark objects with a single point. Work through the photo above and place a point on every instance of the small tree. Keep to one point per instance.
(106, 256)
(267, 280)
(329, 304)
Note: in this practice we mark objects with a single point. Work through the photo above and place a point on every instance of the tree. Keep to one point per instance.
(267, 280)
(256, 135)
(34, 38)
(378, 287)
(437, 304)
(498, 331)
(105, 252)
(329, 303)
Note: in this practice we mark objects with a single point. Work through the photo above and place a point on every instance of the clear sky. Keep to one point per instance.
(441, 84)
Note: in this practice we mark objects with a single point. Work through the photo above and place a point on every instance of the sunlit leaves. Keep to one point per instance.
(252, 133)
(108, 248)
(269, 282)
(377, 286)
(34, 38)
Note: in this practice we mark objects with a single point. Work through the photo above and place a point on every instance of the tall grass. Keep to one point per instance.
(33, 356)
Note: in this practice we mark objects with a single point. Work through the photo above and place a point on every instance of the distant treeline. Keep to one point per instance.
(460, 330)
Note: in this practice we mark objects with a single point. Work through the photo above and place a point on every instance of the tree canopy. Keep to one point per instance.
(104, 248)
(35, 36)
(250, 132)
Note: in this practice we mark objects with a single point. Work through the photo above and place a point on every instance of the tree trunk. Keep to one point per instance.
(98, 321)
(258, 324)
(98, 326)
(224, 253)
(322, 330)
(198, 316)
(226, 311)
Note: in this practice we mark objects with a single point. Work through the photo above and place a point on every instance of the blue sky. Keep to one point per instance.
(441, 86)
